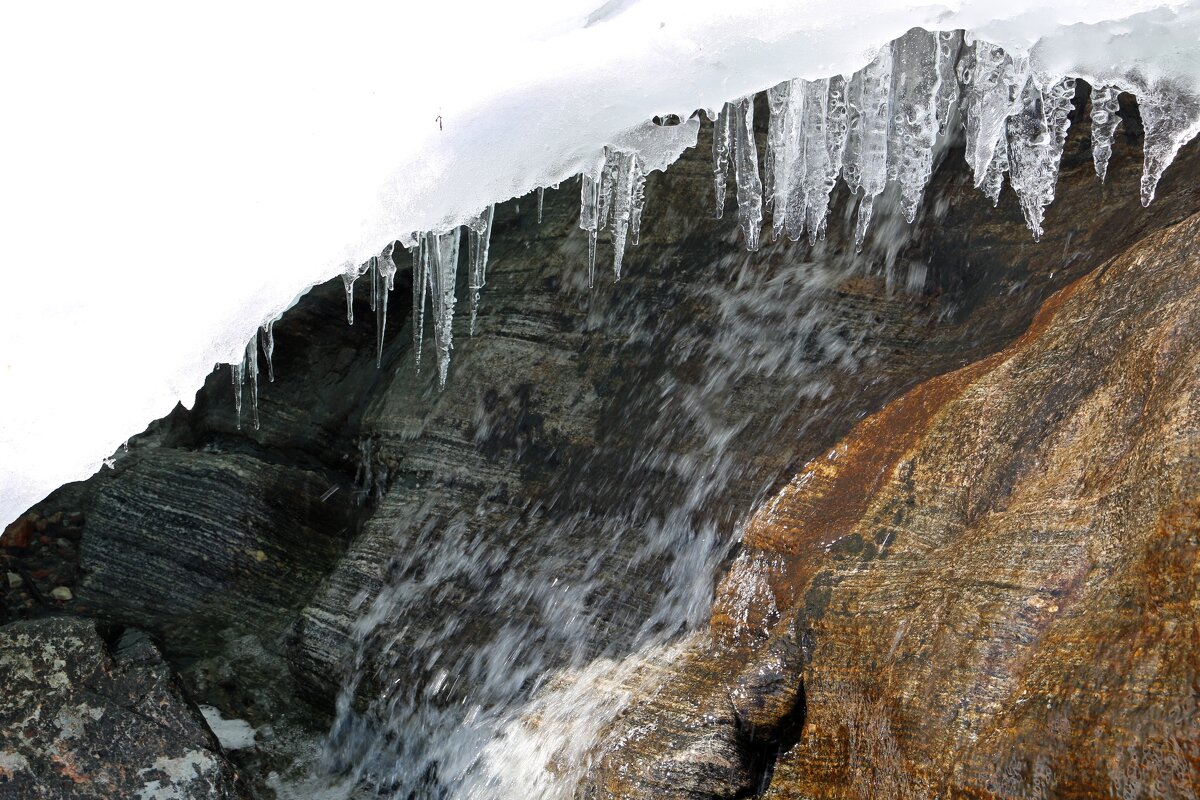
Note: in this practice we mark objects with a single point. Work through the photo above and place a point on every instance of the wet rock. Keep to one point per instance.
(61, 593)
(81, 721)
(187, 544)
(992, 581)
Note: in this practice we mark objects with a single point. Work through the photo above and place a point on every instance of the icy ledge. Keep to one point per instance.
(184, 178)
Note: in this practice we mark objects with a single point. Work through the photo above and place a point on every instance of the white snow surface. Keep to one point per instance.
(177, 174)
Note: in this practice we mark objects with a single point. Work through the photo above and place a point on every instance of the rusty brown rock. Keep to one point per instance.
(993, 583)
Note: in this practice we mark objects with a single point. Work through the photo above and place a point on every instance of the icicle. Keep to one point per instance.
(993, 82)
(745, 169)
(421, 257)
(722, 141)
(370, 267)
(627, 183)
(777, 101)
(1036, 136)
(237, 372)
(541, 201)
(993, 179)
(384, 274)
(949, 46)
(1104, 125)
(1171, 119)
(914, 116)
(479, 236)
(867, 136)
(785, 151)
(443, 269)
(636, 204)
(269, 348)
(252, 372)
(350, 273)
(589, 201)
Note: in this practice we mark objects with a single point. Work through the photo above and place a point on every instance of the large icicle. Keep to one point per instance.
(252, 373)
(777, 104)
(479, 237)
(589, 219)
(268, 330)
(867, 139)
(1105, 120)
(628, 176)
(541, 193)
(443, 269)
(745, 169)
(1036, 136)
(350, 273)
(722, 142)
(1171, 118)
(238, 373)
(914, 116)
(949, 44)
(420, 281)
(992, 81)
(384, 273)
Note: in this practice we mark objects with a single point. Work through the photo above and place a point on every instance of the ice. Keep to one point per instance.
(870, 113)
(1036, 135)
(384, 274)
(254, 172)
(420, 255)
(915, 94)
(722, 143)
(1104, 125)
(541, 192)
(745, 170)
(251, 370)
(443, 269)
(479, 237)
(268, 330)
(589, 219)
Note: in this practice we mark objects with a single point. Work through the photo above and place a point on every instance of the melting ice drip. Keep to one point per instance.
(878, 126)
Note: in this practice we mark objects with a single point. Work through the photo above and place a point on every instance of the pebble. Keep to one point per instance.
(61, 593)
(15, 581)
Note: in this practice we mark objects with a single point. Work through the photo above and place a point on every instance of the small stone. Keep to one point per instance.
(259, 555)
(41, 525)
(61, 593)
(55, 518)
(18, 534)
(15, 581)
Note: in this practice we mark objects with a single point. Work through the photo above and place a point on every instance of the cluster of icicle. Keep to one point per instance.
(881, 125)
(878, 126)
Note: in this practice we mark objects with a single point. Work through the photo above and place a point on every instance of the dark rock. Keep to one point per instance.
(80, 722)
(186, 544)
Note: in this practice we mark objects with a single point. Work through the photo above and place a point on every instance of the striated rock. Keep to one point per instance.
(185, 544)
(992, 583)
(79, 721)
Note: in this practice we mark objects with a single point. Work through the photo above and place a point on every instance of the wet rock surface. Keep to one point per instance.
(992, 583)
(83, 718)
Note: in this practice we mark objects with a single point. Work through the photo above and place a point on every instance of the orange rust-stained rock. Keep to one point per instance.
(989, 589)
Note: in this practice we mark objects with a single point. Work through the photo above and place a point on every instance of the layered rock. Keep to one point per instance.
(989, 588)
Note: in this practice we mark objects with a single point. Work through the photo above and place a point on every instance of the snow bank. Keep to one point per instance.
(173, 176)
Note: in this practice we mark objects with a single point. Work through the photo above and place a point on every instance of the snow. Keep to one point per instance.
(180, 174)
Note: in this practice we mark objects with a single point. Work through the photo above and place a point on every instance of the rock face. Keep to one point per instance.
(990, 587)
(81, 721)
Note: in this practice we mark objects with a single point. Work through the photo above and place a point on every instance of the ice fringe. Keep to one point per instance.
(875, 127)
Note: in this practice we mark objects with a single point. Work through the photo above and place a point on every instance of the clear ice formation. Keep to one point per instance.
(1104, 126)
(479, 236)
(875, 127)
(881, 124)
